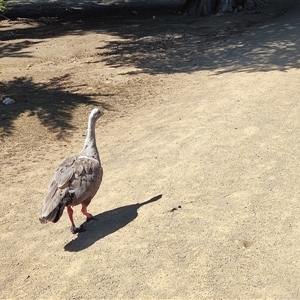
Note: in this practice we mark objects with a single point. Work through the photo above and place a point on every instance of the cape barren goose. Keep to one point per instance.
(76, 180)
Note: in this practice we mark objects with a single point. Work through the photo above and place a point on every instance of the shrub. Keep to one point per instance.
(3, 6)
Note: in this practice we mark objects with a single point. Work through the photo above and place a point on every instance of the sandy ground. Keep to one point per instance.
(199, 143)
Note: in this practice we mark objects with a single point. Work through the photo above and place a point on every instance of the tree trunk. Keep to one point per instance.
(225, 6)
(207, 7)
(198, 7)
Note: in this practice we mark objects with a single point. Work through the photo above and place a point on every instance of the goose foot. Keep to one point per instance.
(91, 218)
(75, 230)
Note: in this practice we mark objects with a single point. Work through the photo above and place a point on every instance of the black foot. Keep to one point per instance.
(77, 230)
(91, 218)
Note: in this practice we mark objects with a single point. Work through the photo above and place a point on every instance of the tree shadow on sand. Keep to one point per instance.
(106, 223)
(52, 102)
(167, 43)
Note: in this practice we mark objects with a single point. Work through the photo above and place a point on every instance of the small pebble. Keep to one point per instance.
(8, 101)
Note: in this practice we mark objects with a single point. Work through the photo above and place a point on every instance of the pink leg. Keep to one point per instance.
(70, 213)
(73, 228)
(84, 211)
(89, 217)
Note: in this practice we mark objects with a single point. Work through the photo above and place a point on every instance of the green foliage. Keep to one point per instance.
(3, 6)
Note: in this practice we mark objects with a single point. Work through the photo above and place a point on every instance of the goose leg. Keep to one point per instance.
(89, 217)
(73, 228)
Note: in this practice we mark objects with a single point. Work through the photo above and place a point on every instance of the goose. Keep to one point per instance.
(76, 180)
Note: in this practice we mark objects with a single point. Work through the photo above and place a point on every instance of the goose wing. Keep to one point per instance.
(76, 179)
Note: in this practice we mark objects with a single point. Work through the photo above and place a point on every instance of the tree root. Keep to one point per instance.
(206, 7)
(4, 17)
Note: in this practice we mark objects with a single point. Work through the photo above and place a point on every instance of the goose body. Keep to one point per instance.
(76, 180)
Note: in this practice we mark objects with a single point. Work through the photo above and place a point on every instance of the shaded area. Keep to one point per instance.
(158, 41)
(51, 102)
(184, 48)
(106, 223)
(14, 50)
(273, 47)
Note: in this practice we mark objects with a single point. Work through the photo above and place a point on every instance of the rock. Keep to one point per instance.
(8, 101)
(134, 12)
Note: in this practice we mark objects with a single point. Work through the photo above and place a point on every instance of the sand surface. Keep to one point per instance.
(199, 143)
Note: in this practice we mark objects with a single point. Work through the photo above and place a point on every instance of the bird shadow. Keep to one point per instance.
(106, 223)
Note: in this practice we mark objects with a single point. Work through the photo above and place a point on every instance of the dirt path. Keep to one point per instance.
(214, 132)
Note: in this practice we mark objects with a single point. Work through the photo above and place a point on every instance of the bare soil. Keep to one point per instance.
(199, 143)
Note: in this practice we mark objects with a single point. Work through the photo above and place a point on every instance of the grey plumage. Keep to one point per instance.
(76, 180)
